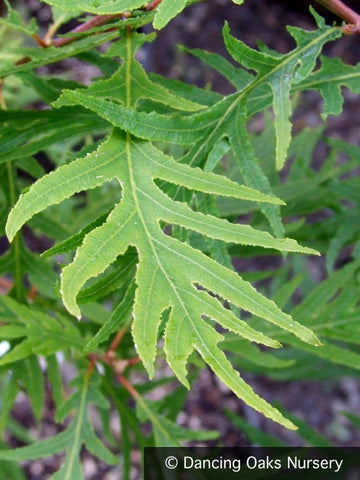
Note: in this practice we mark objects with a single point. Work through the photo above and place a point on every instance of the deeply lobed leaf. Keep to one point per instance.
(168, 271)
(80, 432)
(171, 275)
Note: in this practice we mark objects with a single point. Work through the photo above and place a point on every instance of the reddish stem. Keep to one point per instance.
(117, 340)
(84, 27)
(128, 386)
(152, 5)
(32, 293)
(90, 368)
(134, 361)
(96, 21)
(39, 40)
(346, 13)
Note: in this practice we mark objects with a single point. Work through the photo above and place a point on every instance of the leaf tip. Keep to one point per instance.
(69, 301)
(310, 251)
(320, 22)
(312, 339)
(10, 229)
(276, 344)
(289, 425)
(10, 235)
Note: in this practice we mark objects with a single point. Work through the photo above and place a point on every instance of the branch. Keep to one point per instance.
(346, 13)
(152, 5)
(96, 21)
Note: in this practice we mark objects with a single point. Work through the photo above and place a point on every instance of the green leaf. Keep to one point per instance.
(9, 471)
(33, 380)
(258, 437)
(328, 80)
(280, 71)
(355, 419)
(71, 243)
(227, 117)
(13, 20)
(82, 174)
(331, 310)
(54, 376)
(250, 168)
(10, 391)
(24, 133)
(167, 10)
(102, 165)
(319, 301)
(118, 317)
(41, 334)
(31, 167)
(80, 432)
(179, 292)
(45, 56)
(166, 432)
(97, 6)
(40, 273)
(190, 92)
(255, 435)
(168, 271)
(153, 126)
(244, 349)
(237, 77)
(307, 433)
(49, 89)
(132, 73)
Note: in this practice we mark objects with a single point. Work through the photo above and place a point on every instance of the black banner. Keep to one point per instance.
(251, 463)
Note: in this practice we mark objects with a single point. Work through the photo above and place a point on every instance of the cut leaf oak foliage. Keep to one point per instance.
(158, 240)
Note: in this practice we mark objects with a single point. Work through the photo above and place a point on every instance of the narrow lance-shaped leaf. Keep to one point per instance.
(250, 168)
(236, 76)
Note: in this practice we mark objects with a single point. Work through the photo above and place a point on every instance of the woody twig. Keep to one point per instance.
(346, 13)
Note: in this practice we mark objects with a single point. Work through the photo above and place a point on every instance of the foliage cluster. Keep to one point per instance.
(150, 178)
